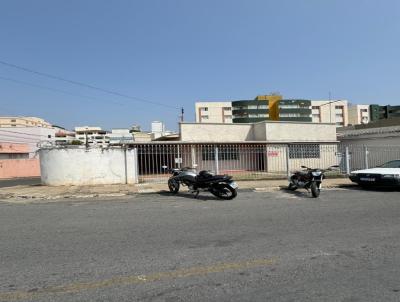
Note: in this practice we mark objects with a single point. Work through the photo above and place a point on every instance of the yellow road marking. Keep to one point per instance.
(125, 280)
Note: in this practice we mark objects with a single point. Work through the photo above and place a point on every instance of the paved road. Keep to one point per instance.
(19, 182)
(277, 246)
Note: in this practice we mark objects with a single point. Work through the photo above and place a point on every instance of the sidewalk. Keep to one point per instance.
(39, 192)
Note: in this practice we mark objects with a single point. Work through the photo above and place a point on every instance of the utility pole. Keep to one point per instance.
(182, 113)
(330, 108)
(86, 141)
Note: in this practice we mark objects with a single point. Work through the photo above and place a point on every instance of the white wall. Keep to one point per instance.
(263, 131)
(78, 166)
(300, 132)
(203, 132)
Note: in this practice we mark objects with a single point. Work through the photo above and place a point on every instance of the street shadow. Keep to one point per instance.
(299, 193)
(203, 196)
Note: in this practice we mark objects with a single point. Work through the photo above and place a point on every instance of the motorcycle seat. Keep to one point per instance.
(207, 176)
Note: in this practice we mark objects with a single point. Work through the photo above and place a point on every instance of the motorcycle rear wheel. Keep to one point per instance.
(173, 186)
(225, 192)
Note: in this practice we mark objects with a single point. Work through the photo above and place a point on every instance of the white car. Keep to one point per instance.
(386, 175)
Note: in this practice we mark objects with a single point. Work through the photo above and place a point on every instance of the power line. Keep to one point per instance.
(56, 90)
(22, 133)
(55, 77)
(21, 137)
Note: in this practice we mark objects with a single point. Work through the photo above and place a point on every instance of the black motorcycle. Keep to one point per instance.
(221, 186)
(309, 179)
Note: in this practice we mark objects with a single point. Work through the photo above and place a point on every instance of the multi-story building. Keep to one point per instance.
(63, 136)
(23, 121)
(92, 135)
(378, 112)
(295, 110)
(250, 111)
(213, 112)
(274, 108)
(120, 136)
(358, 114)
(330, 111)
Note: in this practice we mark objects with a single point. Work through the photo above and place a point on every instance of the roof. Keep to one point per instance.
(393, 130)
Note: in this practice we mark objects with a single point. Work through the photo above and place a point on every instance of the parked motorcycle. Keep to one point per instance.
(222, 186)
(309, 179)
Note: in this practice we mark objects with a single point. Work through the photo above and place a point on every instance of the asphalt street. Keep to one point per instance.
(262, 246)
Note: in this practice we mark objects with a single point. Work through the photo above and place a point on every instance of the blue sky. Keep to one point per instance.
(177, 52)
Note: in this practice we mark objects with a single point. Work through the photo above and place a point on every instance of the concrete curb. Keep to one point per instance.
(16, 194)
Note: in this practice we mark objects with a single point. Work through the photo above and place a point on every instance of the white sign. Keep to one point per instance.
(178, 160)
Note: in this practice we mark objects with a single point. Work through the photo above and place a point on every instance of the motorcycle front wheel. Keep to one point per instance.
(315, 191)
(173, 186)
(224, 192)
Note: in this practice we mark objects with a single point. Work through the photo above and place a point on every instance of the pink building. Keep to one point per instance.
(15, 161)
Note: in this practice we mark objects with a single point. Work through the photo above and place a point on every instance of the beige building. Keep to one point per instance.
(330, 111)
(23, 121)
(270, 131)
(92, 135)
(270, 146)
(214, 112)
(358, 114)
(323, 111)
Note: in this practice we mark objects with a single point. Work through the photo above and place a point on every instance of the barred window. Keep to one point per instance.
(224, 153)
(304, 151)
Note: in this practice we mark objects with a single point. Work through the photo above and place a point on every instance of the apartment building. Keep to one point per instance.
(274, 108)
(295, 110)
(120, 136)
(330, 111)
(359, 114)
(23, 121)
(378, 112)
(213, 112)
(92, 135)
(250, 111)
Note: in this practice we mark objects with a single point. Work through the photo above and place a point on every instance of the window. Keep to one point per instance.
(363, 110)
(13, 121)
(289, 106)
(339, 107)
(304, 151)
(227, 108)
(315, 107)
(224, 153)
(252, 107)
(49, 136)
(204, 109)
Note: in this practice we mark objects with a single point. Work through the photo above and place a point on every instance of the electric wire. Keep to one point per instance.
(57, 90)
(23, 133)
(55, 77)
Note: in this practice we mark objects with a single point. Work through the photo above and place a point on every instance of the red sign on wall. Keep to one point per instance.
(273, 153)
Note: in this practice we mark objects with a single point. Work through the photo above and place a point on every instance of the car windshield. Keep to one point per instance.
(391, 164)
